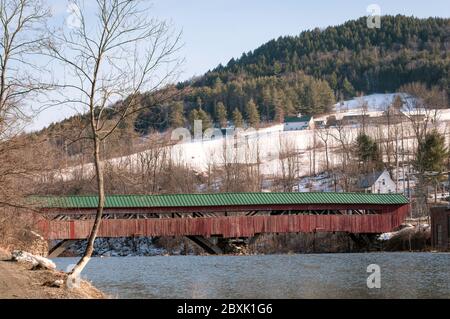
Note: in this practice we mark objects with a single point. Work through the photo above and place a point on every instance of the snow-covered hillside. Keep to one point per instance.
(266, 144)
(375, 102)
(378, 103)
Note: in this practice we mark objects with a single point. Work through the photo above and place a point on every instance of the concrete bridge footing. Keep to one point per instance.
(208, 244)
(60, 247)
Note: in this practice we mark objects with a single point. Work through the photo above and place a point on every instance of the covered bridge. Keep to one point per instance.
(227, 215)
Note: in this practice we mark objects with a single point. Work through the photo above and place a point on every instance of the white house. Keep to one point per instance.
(298, 123)
(377, 182)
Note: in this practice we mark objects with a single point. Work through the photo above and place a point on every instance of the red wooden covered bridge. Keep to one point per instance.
(225, 215)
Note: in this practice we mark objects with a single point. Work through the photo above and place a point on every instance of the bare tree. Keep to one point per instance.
(324, 135)
(254, 169)
(111, 54)
(21, 36)
(422, 107)
(422, 110)
(289, 164)
(343, 137)
(236, 167)
(364, 106)
(348, 170)
(152, 163)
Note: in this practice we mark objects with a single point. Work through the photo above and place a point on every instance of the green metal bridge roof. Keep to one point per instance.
(218, 199)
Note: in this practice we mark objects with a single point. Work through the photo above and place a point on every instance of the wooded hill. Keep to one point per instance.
(307, 73)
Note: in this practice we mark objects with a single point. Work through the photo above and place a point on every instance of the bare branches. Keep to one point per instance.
(422, 107)
(21, 26)
(288, 157)
(122, 53)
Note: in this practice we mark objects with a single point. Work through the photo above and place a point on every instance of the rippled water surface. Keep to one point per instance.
(403, 275)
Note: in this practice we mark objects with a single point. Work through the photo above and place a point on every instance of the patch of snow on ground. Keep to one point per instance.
(375, 102)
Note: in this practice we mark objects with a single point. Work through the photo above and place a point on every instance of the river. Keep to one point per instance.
(403, 275)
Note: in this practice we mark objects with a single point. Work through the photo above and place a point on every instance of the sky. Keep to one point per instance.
(214, 31)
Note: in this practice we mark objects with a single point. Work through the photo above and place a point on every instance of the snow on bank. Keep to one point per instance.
(407, 230)
(36, 261)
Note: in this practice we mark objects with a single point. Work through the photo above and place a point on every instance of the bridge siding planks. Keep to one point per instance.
(228, 227)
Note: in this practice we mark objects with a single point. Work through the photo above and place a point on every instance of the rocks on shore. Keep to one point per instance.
(38, 262)
(113, 247)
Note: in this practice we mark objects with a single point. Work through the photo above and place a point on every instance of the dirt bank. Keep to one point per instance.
(17, 280)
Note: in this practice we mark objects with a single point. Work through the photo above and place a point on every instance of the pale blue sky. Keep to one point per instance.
(214, 31)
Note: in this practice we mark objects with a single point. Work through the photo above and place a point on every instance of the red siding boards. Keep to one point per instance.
(228, 227)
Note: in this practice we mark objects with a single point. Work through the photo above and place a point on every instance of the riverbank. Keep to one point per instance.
(19, 281)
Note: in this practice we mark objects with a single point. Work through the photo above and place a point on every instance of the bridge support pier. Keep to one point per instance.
(206, 244)
(60, 247)
(253, 239)
(365, 242)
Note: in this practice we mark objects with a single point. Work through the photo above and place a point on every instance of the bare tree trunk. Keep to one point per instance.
(314, 152)
(124, 35)
(98, 217)
(324, 136)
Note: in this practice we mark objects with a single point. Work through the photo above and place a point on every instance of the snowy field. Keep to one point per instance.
(375, 102)
(267, 144)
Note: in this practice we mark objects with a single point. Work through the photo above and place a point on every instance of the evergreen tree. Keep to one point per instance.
(237, 118)
(155, 118)
(432, 153)
(279, 114)
(221, 115)
(277, 68)
(251, 111)
(200, 115)
(326, 98)
(368, 153)
(193, 116)
(277, 106)
(176, 117)
(218, 83)
(199, 102)
(333, 81)
(266, 102)
(431, 158)
(348, 89)
(310, 97)
(205, 118)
